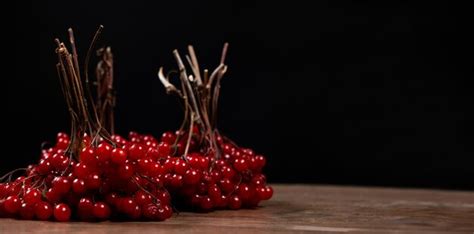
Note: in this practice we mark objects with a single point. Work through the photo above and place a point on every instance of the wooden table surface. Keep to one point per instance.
(304, 208)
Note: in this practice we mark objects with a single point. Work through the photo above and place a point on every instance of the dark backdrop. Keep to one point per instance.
(331, 92)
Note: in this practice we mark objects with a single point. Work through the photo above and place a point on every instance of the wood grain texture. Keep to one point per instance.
(301, 209)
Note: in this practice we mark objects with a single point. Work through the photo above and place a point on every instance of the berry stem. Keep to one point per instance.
(200, 94)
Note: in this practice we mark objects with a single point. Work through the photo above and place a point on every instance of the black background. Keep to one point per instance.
(331, 92)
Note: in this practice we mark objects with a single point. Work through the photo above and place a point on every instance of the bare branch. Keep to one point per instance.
(195, 66)
(170, 88)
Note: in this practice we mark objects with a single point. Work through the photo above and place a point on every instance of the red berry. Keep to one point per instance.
(153, 153)
(81, 170)
(192, 177)
(151, 211)
(228, 172)
(260, 161)
(61, 184)
(165, 212)
(164, 149)
(203, 163)
(93, 182)
(43, 210)
(176, 181)
(84, 209)
(44, 167)
(62, 212)
(103, 151)
(88, 156)
(265, 193)
(32, 196)
(136, 152)
(142, 198)
(79, 186)
(101, 210)
(223, 202)
(228, 149)
(112, 199)
(226, 185)
(53, 195)
(206, 203)
(180, 167)
(214, 192)
(144, 166)
(245, 192)
(234, 203)
(57, 160)
(118, 156)
(240, 165)
(156, 170)
(62, 143)
(164, 197)
(135, 212)
(168, 137)
(125, 171)
(62, 135)
(27, 211)
(168, 165)
(12, 204)
(259, 180)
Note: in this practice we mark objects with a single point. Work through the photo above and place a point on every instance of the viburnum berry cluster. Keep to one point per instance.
(93, 174)
(206, 169)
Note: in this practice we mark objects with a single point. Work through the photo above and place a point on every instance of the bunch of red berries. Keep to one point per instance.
(204, 183)
(212, 172)
(110, 181)
(94, 175)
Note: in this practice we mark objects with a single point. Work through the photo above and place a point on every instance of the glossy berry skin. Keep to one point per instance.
(150, 212)
(103, 151)
(164, 149)
(136, 152)
(235, 203)
(93, 182)
(245, 192)
(32, 196)
(142, 198)
(79, 186)
(27, 211)
(260, 161)
(101, 211)
(265, 193)
(118, 156)
(164, 213)
(43, 210)
(84, 209)
(112, 199)
(214, 192)
(128, 206)
(240, 165)
(176, 181)
(125, 171)
(12, 204)
(81, 170)
(62, 143)
(61, 185)
(180, 167)
(206, 203)
(226, 185)
(192, 177)
(88, 156)
(168, 137)
(62, 212)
